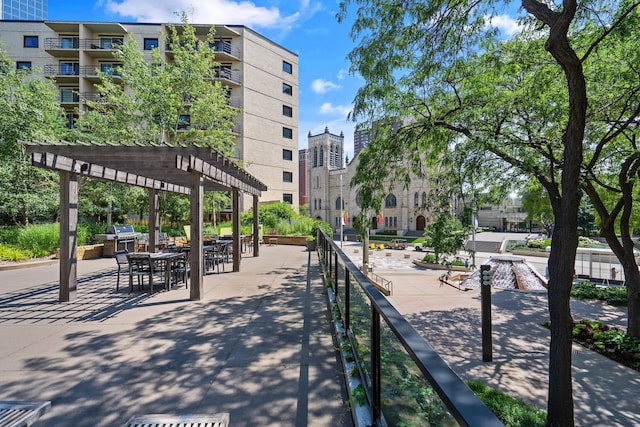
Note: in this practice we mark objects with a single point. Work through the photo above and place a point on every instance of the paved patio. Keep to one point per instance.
(259, 346)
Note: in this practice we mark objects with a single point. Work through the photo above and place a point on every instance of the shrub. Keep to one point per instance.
(430, 258)
(614, 295)
(538, 243)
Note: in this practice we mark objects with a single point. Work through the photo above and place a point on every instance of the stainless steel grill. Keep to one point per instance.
(119, 237)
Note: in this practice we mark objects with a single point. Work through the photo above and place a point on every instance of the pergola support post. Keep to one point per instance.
(154, 220)
(256, 228)
(68, 236)
(237, 256)
(196, 261)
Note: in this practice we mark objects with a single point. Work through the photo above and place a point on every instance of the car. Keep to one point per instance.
(397, 244)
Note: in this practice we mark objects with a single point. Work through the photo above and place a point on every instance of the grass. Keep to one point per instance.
(511, 411)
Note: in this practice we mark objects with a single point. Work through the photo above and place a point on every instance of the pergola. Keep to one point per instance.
(189, 170)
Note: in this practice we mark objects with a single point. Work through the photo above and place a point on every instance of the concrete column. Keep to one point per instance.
(68, 236)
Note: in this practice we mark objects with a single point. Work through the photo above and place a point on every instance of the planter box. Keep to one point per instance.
(86, 252)
(423, 264)
(286, 240)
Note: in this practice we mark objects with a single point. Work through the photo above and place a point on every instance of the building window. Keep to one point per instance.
(150, 44)
(184, 121)
(288, 89)
(315, 157)
(287, 68)
(287, 154)
(321, 156)
(415, 199)
(69, 94)
(287, 176)
(386, 221)
(69, 68)
(287, 133)
(390, 201)
(287, 111)
(23, 65)
(31, 41)
(320, 204)
(424, 199)
(315, 204)
(69, 42)
(287, 198)
(395, 221)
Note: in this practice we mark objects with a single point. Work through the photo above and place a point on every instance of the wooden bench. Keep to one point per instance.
(20, 413)
(163, 420)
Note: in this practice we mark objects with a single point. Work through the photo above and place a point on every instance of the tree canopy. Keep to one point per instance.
(522, 104)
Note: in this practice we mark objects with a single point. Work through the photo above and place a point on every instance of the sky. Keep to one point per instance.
(307, 27)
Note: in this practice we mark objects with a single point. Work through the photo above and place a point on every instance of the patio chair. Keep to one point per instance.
(121, 260)
(141, 265)
(21, 413)
(213, 420)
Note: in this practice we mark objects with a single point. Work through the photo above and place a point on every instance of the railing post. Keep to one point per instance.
(335, 266)
(376, 376)
(347, 299)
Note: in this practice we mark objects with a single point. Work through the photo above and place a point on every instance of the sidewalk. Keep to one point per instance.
(259, 346)
(604, 391)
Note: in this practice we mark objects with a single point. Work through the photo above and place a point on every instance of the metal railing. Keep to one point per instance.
(403, 378)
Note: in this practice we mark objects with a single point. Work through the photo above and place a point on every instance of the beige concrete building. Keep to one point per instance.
(404, 209)
(261, 78)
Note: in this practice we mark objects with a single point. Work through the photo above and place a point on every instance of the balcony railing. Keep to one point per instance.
(225, 46)
(228, 74)
(103, 43)
(61, 43)
(61, 70)
(402, 376)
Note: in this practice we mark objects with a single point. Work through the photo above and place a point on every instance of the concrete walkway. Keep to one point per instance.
(259, 346)
(604, 391)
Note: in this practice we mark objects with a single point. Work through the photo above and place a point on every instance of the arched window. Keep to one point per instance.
(315, 204)
(320, 204)
(339, 205)
(358, 199)
(424, 199)
(390, 201)
(321, 156)
(415, 199)
(331, 155)
(315, 157)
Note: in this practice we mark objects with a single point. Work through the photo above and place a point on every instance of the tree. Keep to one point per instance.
(29, 111)
(178, 101)
(524, 102)
(445, 235)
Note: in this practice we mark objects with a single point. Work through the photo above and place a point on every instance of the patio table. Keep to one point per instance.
(21, 413)
(161, 261)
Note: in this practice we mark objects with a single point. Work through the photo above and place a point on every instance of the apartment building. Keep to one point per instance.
(261, 78)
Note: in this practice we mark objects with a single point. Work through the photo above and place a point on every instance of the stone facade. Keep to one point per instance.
(260, 76)
(404, 210)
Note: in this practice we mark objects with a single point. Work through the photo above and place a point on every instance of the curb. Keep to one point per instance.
(21, 265)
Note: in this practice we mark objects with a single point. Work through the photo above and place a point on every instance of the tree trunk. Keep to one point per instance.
(565, 207)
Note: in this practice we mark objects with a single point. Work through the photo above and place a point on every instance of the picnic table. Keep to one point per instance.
(21, 413)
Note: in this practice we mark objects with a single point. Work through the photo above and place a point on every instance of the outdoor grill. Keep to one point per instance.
(118, 237)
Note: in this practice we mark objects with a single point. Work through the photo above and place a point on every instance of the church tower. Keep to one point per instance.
(325, 154)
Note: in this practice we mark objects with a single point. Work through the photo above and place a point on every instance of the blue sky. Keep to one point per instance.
(306, 27)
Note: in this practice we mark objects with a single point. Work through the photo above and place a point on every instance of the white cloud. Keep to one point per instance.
(323, 86)
(505, 23)
(341, 74)
(209, 12)
(342, 110)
